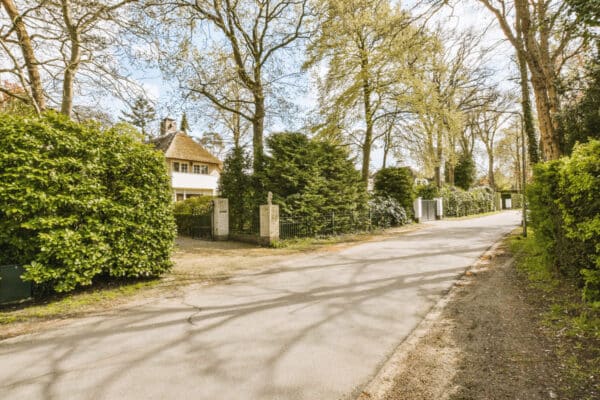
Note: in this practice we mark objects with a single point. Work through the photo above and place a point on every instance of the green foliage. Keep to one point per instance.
(197, 205)
(464, 172)
(185, 125)
(580, 122)
(427, 192)
(389, 209)
(311, 177)
(141, 114)
(235, 184)
(77, 202)
(396, 182)
(459, 203)
(565, 211)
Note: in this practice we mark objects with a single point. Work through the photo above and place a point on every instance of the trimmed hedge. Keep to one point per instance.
(198, 205)
(77, 202)
(564, 201)
(459, 203)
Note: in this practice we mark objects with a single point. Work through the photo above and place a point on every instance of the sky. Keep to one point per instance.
(462, 17)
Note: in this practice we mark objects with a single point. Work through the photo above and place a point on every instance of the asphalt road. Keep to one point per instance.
(318, 326)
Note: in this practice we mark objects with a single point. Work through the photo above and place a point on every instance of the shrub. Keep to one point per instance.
(396, 182)
(427, 192)
(389, 210)
(77, 202)
(197, 205)
(565, 212)
(235, 184)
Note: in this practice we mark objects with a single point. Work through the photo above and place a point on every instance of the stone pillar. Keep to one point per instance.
(439, 208)
(418, 208)
(269, 224)
(220, 219)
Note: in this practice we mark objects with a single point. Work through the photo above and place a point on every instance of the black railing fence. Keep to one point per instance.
(329, 224)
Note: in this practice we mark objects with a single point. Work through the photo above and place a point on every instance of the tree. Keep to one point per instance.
(371, 53)
(542, 33)
(247, 46)
(235, 184)
(184, 126)
(397, 183)
(141, 114)
(464, 173)
(34, 83)
(66, 45)
(213, 142)
(311, 177)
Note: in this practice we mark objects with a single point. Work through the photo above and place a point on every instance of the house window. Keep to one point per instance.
(176, 166)
(201, 169)
(184, 167)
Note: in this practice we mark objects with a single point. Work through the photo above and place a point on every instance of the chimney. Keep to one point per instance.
(167, 126)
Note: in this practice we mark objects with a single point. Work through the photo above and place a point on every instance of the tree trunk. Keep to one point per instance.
(491, 179)
(450, 174)
(258, 131)
(28, 55)
(366, 146)
(543, 75)
(438, 160)
(529, 127)
(73, 65)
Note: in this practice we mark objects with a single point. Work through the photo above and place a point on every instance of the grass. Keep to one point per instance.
(573, 324)
(73, 304)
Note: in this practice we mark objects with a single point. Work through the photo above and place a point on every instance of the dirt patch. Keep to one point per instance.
(487, 343)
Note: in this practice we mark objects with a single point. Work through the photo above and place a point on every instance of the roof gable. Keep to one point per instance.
(181, 146)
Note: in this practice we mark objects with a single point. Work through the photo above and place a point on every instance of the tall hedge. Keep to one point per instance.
(565, 209)
(396, 182)
(77, 201)
(458, 202)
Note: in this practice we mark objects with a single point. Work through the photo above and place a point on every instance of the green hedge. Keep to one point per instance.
(459, 203)
(77, 202)
(564, 201)
(198, 205)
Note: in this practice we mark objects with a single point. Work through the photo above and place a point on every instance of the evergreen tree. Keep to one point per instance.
(397, 183)
(184, 126)
(141, 114)
(311, 177)
(235, 184)
(464, 172)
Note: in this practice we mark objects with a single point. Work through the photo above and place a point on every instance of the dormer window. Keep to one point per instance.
(201, 169)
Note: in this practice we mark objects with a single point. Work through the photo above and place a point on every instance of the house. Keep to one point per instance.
(194, 171)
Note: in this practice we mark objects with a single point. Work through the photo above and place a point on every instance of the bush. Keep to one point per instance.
(459, 203)
(197, 205)
(235, 184)
(77, 202)
(388, 209)
(427, 192)
(396, 182)
(565, 212)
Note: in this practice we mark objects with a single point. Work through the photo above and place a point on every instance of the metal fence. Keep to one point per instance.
(296, 226)
(195, 226)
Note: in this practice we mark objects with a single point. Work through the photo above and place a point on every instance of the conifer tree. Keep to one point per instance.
(141, 114)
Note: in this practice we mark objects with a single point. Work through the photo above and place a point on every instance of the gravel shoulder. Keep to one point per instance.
(486, 341)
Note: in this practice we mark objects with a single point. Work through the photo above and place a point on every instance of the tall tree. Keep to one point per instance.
(141, 114)
(371, 52)
(66, 43)
(544, 33)
(247, 45)
(18, 27)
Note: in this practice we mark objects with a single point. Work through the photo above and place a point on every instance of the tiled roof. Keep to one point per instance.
(181, 146)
